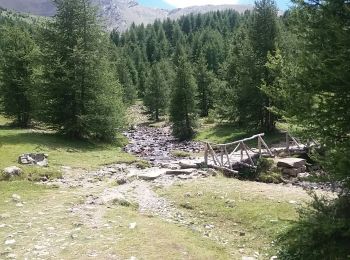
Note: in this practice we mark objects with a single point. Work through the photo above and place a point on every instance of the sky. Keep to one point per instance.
(170, 4)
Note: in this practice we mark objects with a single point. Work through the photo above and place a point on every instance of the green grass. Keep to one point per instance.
(27, 190)
(61, 151)
(180, 154)
(220, 134)
(226, 133)
(154, 238)
(245, 215)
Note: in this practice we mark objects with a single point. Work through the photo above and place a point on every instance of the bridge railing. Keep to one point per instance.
(224, 156)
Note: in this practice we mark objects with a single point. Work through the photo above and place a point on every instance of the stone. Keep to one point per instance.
(10, 242)
(150, 176)
(5, 215)
(230, 203)
(121, 180)
(212, 172)
(11, 171)
(294, 171)
(291, 162)
(11, 256)
(39, 159)
(187, 194)
(273, 257)
(132, 225)
(303, 175)
(2, 225)
(242, 233)
(16, 198)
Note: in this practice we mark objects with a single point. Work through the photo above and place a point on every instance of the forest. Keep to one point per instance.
(251, 70)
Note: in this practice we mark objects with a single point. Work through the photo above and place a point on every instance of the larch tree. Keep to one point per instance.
(81, 95)
(18, 65)
(182, 107)
(205, 86)
(156, 94)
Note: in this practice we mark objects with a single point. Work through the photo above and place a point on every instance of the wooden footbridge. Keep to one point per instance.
(227, 156)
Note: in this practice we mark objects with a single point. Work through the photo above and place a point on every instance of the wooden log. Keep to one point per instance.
(224, 169)
(267, 148)
(206, 154)
(295, 141)
(215, 158)
(234, 150)
(287, 142)
(180, 172)
(228, 158)
(246, 151)
(222, 156)
(239, 141)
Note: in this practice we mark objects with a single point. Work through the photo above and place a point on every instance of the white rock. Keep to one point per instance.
(151, 175)
(132, 225)
(39, 247)
(12, 171)
(303, 175)
(16, 198)
(11, 256)
(2, 225)
(10, 242)
(273, 257)
(291, 162)
(292, 202)
(19, 205)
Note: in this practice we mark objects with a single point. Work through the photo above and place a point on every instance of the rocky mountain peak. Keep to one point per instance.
(119, 14)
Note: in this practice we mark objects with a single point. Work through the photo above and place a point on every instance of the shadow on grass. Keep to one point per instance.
(51, 140)
(226, 133)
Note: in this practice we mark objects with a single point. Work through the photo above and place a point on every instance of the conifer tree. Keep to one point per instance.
(81, 95)
(182, 107)
(18, 64)
(205, 86)
(156, 93)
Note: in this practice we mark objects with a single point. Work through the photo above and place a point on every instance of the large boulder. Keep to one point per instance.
(39, 159)
(294, 171)
(291, 163)
(11, 171)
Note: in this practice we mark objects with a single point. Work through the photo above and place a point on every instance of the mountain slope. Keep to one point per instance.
(119, 14)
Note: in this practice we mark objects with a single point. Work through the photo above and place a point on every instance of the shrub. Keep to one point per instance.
(322, 232)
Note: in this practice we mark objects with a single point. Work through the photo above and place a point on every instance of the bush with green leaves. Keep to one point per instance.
(322, 231)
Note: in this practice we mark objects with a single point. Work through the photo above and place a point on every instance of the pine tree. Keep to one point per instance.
(263, 37)
(18, 65)
(81, 96)
(128, 78)
(312, 91)
(156, 94)
(182, 107)
(205, 87)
